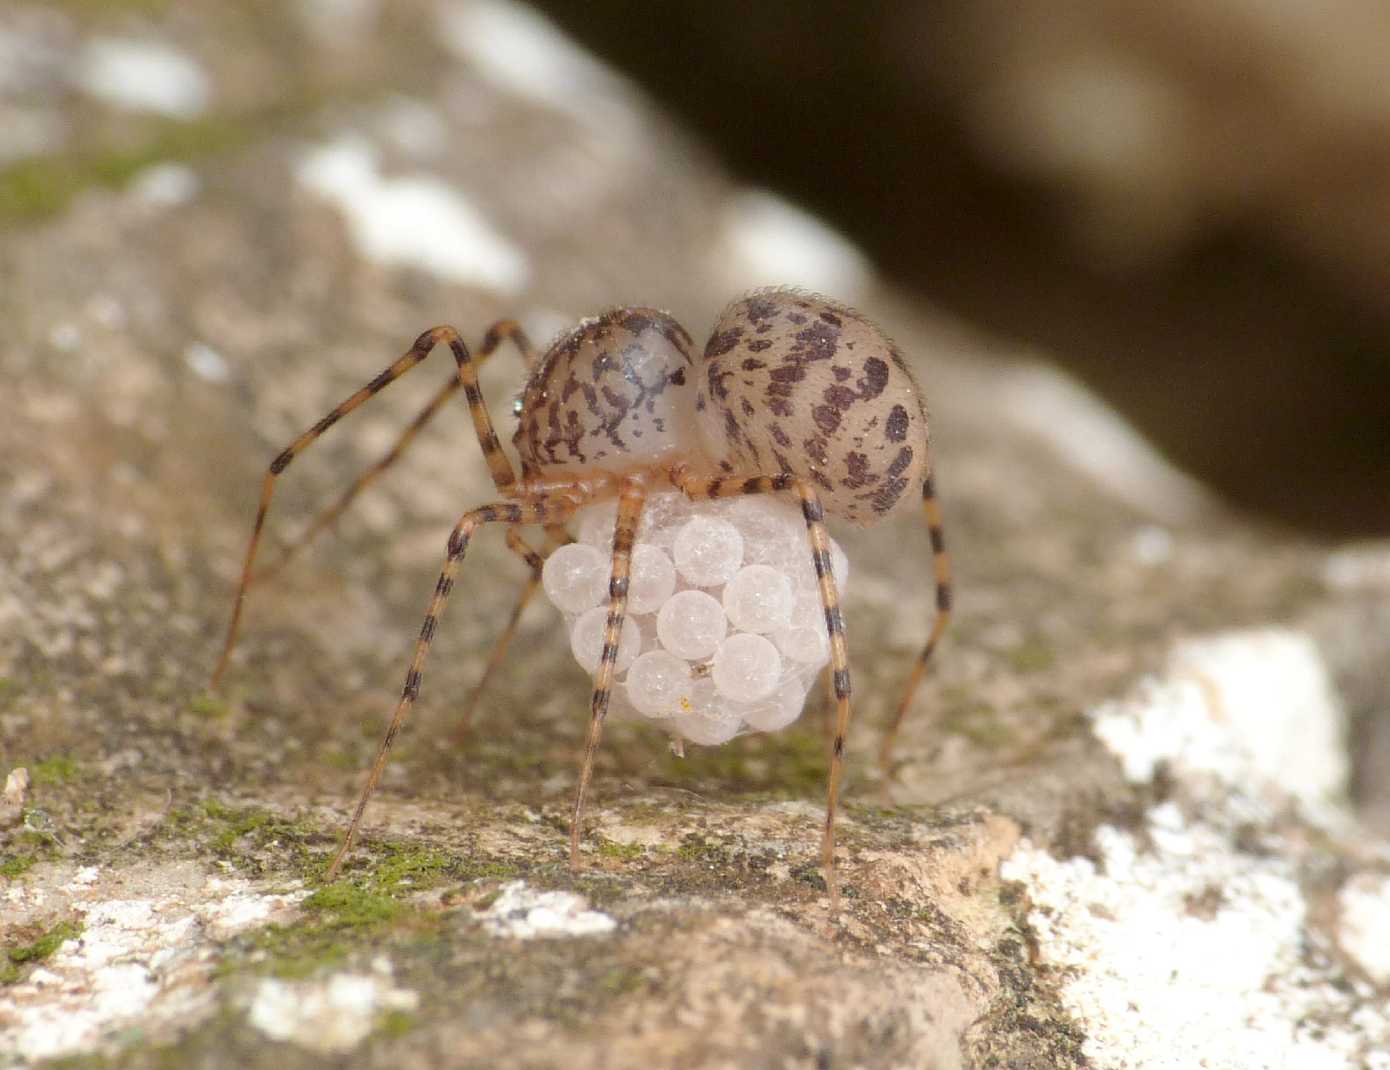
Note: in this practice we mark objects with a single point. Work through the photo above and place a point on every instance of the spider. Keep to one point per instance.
(795, 395)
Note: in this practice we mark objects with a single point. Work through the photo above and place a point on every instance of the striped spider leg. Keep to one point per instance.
(502, 475)
(551, 508)
(557, 537)
(697, 488)
(941, 569)
(632, 494)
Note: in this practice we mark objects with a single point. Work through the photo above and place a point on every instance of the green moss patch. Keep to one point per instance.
(370, 908)
(21, 955)
(56, 770)
(16, 865)
(258, 842)
(208, 706)
(339, 918)
(1031, 656)
(622, 852)
(42, 186)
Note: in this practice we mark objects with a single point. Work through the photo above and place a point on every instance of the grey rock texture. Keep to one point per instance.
(1139, 723)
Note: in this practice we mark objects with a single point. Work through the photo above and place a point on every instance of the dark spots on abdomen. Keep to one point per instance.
(827, 418)
(859, 474)
(887, 495)
(722, 342)
(840, 397)
(874, 380)
(896, 428)
(900, 462)
(716, 382)
(759, 309)
(819, 342)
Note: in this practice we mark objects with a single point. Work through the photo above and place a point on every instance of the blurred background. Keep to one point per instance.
(1188, 204)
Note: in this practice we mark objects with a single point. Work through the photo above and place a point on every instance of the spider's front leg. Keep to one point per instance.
(557, 536)
(466, 377)
(631, 497)
(551, 509)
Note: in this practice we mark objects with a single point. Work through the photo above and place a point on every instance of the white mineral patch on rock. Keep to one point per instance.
(1354, 568)
(1188, 952)
(1254, 709)
(766, 237)
(339, 22)
(1093, 438)
(1184, 946)
(12, 798)
(519, 51)
(526, 914)
(331, 1016)
(138, 963)
(165, 185)
(144, 76)
(1364, 929)
(413, 220)
(206, 363)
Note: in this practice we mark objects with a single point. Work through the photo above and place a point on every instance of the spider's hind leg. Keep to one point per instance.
(941, 568)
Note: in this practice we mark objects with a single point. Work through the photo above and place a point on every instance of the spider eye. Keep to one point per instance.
(517, 405)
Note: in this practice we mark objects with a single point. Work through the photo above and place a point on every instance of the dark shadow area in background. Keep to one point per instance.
(1247, 366)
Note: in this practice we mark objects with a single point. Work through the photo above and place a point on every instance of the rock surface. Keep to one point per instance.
(1122, 810)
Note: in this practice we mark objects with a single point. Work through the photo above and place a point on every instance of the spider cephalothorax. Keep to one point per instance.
(610, 393)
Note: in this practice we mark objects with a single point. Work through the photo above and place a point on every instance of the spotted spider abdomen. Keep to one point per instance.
(613, 393)
(794, 382)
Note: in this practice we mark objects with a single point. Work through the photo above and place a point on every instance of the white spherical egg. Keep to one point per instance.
(691, 624)
(809, 645)
(651, 579)
(778, 710)
(575, 577)
(746, 667)
(659, 684)
(586, 640)
(707, 730)
(759, 599)
(708, 551)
